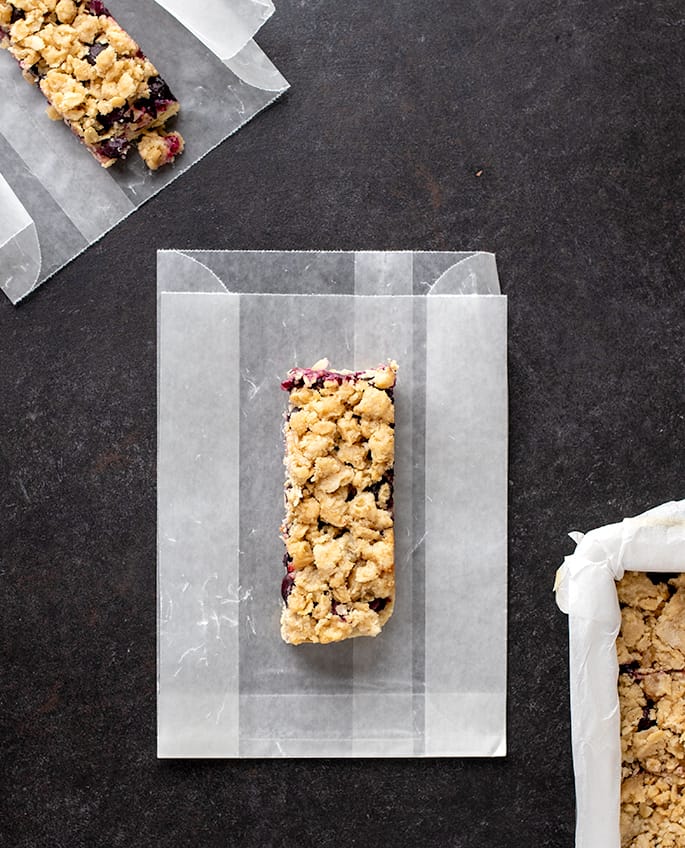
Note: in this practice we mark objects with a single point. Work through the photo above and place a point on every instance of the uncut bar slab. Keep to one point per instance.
(338, 529)
(94, 76)
(651, 689)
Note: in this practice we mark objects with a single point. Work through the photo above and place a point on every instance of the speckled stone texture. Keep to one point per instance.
(572, 114)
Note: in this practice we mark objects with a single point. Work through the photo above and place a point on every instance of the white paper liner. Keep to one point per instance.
(586, 590)
(222, 80)
(434, 682)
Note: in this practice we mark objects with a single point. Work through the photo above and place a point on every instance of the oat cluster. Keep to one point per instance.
(651, 654)
(338, 528)
(93, 74)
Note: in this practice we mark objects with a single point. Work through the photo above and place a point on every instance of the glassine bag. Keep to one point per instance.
(433, 683)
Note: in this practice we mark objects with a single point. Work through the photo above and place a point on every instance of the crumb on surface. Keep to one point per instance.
(157, 148)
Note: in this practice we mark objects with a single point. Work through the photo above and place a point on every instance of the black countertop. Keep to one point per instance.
(550, 133)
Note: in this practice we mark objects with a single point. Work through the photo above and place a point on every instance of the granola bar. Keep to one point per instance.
(651, 686)
(95, 77)
(338, 529)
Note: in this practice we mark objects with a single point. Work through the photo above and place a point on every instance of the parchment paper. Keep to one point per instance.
(586, 590)
(433, 683)
(55, 199)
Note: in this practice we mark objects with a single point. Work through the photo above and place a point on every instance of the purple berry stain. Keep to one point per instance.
(173, 144)
(158, 99)
(287, 586)
(97, 7)
(336, 606)
(114, 148)
(116, 116)
(378, 604)
(645, 723)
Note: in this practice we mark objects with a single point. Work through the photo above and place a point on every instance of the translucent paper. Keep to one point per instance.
(55, 199)
(586, 590)
(433, 682)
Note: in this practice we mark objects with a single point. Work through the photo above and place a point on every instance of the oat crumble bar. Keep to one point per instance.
(338, 529)
(95, 77)
(651, 655)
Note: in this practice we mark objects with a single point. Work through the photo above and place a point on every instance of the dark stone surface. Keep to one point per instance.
(573, 113)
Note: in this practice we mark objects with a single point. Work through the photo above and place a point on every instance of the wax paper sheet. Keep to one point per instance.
(433, 683)
(586, 590)
(55, 199)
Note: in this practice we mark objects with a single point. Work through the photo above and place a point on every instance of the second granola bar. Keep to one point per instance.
(94, 76)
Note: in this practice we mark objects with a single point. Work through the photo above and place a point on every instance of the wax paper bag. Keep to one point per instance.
(433, 682)
(586, 590)
(55, 199)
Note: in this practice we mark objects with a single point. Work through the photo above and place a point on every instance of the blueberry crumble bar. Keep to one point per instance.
(338, 529)
(651, 686)
(95, 77)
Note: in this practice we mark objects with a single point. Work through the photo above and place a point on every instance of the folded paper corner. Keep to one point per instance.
(473, 273)
(20, 254)
(179, 272)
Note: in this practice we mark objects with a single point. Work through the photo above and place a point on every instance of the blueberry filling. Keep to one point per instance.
(375, 488)
(159, 90)
(628, 668)
(114, 148)
(34, 72)
(94, 51)
(159, 98)
(287, 586)
(17, 15)
(336, 606)
(147, 107)
(287, 562)
(116, 116)
(317, 379)
(646, 722)
(660, 576)
(338, 379)
(378, 604)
